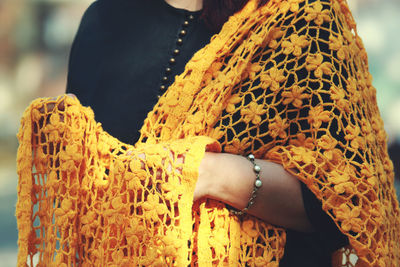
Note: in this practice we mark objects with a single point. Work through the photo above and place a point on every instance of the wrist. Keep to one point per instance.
(230, 178)
(257, 185)
(204, 182)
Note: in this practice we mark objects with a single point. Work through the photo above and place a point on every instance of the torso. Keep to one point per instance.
(117, 64)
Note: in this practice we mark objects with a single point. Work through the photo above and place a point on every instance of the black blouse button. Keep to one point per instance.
(172, 60)
(165, 79)
(179, 41)
(182, 33)
(168, 70)
(191, 17)
(162, 87)
(176, 52)
(158, 96)
(186, 23)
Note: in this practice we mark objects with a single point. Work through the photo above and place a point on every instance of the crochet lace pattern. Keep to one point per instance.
(293, 77)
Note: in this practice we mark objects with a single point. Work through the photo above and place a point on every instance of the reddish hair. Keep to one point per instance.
(216, 12)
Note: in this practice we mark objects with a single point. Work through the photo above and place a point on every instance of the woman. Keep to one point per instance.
(126, 46)
(287, 104)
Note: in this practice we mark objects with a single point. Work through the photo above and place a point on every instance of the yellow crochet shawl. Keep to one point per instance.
(293, 74)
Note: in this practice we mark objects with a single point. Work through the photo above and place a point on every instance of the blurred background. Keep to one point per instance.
(35, 38)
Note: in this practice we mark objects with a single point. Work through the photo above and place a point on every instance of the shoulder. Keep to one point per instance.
(104, 14)
(111, 7)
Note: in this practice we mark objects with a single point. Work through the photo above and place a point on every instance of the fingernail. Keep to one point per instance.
(72, 95)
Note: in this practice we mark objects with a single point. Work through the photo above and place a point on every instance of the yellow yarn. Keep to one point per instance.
(302, 101)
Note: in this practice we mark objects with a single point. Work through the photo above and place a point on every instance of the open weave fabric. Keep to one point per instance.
(293, 76)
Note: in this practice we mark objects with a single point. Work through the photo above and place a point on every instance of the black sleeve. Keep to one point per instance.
(325, 229)
(323, 225)
(87, 33)
(326, 234)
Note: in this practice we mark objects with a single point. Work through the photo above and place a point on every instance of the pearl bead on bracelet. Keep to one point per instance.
(257, 185)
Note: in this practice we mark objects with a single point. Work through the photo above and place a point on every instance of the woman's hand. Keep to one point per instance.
(230, 178)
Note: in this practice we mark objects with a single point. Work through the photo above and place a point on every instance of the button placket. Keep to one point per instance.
(177, 50)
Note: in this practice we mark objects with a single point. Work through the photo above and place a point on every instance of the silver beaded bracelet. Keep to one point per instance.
(257, 185)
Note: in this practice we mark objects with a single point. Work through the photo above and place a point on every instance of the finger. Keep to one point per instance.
(72, 96)
(49, 107)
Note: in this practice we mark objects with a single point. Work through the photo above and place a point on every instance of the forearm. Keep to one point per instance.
(230, 179)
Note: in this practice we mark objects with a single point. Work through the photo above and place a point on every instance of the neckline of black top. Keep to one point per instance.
(180, 11)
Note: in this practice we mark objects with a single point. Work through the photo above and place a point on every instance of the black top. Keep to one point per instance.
(121, 54)
(123, 57)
